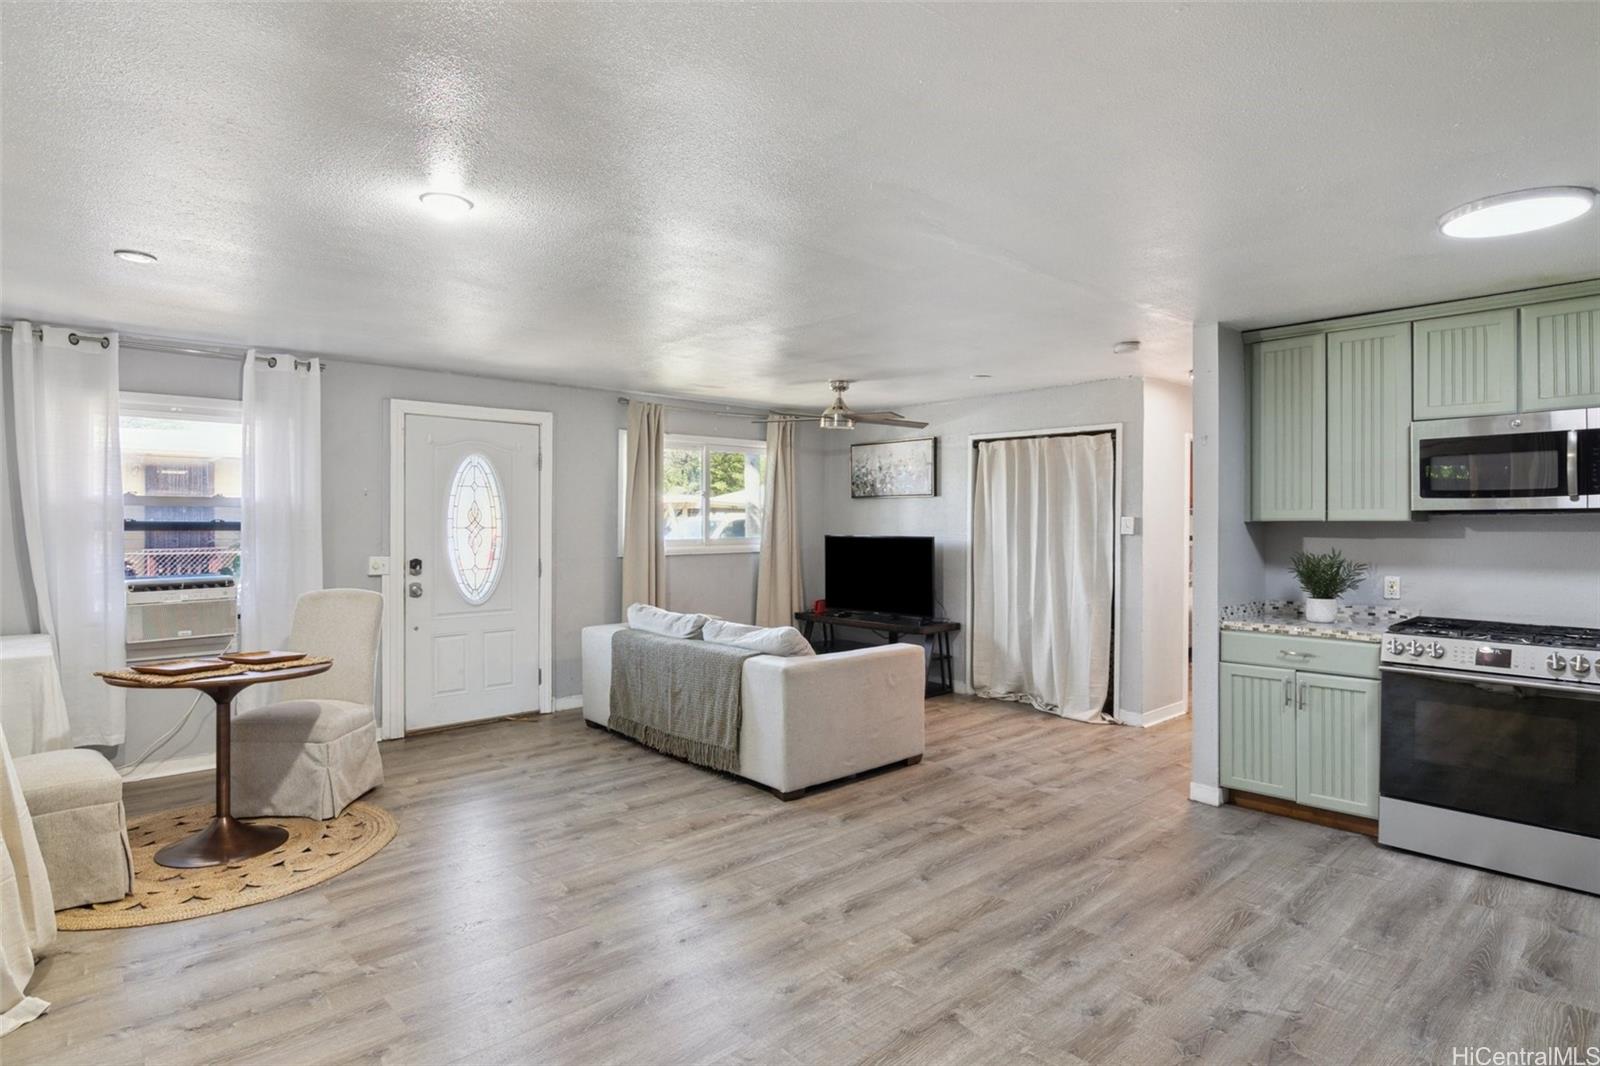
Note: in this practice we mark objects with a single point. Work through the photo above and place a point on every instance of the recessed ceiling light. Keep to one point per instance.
(1125, 347)
(445, 204)
(132, 255)
(1517, 212)
(980, 377)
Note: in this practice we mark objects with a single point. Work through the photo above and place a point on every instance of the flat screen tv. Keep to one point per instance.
(882, 575)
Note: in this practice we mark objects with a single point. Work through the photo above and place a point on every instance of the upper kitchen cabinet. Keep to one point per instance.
(1561, 355)
(1465, 365)
(1369, 424)
(1288, 429)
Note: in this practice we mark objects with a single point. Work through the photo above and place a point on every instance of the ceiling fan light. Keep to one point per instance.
(832, 419)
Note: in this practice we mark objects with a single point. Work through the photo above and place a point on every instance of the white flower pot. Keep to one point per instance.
(1321, 610)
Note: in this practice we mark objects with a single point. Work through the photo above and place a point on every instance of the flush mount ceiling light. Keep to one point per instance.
(1125, 347)
(1517, 212)
(133, 255)
(445, 204)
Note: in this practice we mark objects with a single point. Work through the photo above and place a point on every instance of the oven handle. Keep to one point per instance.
(1572, 464)
(1589, 691)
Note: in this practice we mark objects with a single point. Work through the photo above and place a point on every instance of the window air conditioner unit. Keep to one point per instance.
(182, 610)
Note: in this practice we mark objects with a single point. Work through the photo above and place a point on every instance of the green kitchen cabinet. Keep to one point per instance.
(1336, 743)
(1288, 429)
(1257, 729)
(1369, 424)
(1561, 354)
(1464, 365)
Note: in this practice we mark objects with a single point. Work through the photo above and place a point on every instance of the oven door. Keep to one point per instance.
(1531, 462)
(1526, 752)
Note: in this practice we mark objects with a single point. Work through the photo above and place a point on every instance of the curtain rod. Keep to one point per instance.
(157, 344)
(727, 411)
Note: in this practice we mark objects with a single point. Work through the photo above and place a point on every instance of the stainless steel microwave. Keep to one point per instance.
(1547, 461)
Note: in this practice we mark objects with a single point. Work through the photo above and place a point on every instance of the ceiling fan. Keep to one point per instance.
(839, 415)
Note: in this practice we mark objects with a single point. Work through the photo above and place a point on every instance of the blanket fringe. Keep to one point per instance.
(699, 752)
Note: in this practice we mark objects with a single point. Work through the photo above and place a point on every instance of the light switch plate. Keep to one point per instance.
(377, 565)
(1391, 587)
(1128, 525)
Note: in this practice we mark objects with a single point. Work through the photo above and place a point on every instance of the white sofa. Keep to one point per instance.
(806, 719)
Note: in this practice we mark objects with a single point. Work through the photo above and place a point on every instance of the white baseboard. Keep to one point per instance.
(205, 762)
(1209, 794)
(567, 703)
(1146, 719)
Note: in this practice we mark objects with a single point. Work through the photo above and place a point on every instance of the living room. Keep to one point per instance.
(634, 533)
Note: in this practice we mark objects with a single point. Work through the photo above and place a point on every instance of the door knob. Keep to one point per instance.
(414, 590)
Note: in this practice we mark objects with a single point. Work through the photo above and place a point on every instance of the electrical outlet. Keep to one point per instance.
(377, 565)
(1391, 587)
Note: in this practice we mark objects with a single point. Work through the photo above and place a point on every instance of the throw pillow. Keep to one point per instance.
(666, 623)
(779, 640)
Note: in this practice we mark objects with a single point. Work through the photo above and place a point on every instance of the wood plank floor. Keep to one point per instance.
(1036, 890)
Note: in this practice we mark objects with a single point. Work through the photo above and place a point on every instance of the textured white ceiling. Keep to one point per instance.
(743, 201)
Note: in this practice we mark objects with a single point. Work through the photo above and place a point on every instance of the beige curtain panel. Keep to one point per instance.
(780, 592)
(644, 557)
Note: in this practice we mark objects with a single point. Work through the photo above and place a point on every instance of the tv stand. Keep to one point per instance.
(891, 627)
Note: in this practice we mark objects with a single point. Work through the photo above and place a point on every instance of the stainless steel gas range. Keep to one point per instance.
(1491, 747)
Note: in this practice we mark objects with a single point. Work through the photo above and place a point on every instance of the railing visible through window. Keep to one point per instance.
(180, 487)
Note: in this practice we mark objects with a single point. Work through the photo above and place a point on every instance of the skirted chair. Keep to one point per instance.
(316, 750)
(74, 798)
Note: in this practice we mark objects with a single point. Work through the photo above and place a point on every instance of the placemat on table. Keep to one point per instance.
(157, 680)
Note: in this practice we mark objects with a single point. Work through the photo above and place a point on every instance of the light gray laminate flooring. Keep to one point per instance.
(1036, 890)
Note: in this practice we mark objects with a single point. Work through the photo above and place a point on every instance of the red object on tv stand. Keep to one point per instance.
(819, 606)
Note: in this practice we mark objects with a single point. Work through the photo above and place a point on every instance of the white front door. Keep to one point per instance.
(471, 570)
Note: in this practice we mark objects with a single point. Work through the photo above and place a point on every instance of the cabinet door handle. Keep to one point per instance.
(1302, 695)
(1288, 691)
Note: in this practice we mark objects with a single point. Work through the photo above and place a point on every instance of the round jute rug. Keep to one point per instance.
(314, 852)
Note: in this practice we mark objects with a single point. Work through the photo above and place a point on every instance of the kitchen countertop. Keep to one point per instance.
(1364, 624)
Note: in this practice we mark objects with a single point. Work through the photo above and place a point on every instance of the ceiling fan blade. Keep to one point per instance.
(783, 418)
(875, 419)
(875, 414)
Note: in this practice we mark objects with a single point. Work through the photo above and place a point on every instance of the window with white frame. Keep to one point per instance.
(180, 486)
(711, 493)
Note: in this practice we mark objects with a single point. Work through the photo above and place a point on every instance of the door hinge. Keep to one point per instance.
(541, 459)
(541, 568)
(541, 675)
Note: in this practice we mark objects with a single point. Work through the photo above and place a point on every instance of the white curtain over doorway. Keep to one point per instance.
(69, 467)
(1042, 556)
(644, 553)
(281, 535)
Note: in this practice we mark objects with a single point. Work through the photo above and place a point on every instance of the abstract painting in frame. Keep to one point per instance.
(894, 468)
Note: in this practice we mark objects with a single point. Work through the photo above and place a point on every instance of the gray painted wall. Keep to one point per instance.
(1146, 683)
(355, 436)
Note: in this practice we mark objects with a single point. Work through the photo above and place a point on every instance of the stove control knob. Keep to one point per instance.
(1392, 646)
(1436, 650)
(1415, 648)
(1556, 662)
(1580, 665)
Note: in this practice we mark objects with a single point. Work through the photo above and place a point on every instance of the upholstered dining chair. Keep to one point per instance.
(313, 752)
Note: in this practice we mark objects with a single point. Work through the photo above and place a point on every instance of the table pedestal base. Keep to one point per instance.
(225, 840)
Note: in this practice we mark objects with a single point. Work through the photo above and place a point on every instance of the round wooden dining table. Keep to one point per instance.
(226, 839)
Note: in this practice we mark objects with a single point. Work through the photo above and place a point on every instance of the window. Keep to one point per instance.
(180, 486)
(474, 525)
(710, 493)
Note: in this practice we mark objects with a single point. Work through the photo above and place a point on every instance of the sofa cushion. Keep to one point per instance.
(665, 623)
(777, 640)
(62, 780)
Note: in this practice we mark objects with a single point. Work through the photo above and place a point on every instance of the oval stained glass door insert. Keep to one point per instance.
(474, 528)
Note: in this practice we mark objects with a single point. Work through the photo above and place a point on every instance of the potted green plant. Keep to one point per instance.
(1325, 576)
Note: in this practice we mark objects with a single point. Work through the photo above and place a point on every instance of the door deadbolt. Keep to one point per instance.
(414, 590)
(414, 567)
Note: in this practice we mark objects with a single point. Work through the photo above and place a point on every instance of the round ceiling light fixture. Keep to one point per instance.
(133, 255)
(445, 204)
(1517, 212)
(1125, 347)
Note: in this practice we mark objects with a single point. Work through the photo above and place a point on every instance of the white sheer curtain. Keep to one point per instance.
(27, 922)
(780, 592)
(69, 467)
(1041, 572)
(281, 535)
(644, 554)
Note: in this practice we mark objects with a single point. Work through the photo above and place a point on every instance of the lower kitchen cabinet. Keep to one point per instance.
(1336, 743)
(1258, 729)
(1298, 735)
